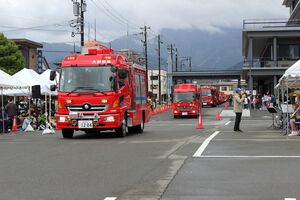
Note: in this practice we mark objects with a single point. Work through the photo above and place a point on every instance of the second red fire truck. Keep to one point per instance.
(186, 100)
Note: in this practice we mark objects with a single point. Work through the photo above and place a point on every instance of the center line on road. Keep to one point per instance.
(205, 144)
(227, 123)
(290, 199)
(110, 198)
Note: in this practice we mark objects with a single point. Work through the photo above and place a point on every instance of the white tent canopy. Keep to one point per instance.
(32, 78)
(6, 82)
(9, 82)
(291, 77)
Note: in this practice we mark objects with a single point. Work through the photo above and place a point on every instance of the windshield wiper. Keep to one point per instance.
(86, 88)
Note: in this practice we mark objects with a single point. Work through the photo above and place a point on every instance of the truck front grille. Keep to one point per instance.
(185, 107)
(92, 108)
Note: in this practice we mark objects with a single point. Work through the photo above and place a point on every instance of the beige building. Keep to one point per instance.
(29, 51)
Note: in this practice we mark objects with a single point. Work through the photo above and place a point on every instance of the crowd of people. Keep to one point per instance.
(25, 112)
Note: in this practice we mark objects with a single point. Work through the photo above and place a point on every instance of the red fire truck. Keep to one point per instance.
(186, 100)
(209, 96)
(100, 90)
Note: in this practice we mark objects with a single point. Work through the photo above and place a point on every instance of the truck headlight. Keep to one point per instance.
(62, 119)
(109, 119)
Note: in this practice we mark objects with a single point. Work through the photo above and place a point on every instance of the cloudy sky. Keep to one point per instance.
(48, 21)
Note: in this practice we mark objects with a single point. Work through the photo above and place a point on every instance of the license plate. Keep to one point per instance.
(85, 124)
(184, 113)
(204, 103)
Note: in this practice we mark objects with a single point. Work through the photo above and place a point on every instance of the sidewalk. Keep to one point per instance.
(259, 163)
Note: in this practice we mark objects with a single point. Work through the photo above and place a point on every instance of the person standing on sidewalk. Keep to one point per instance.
(238, 108)
(11, 110)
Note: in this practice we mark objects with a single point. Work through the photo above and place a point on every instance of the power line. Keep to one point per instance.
(120, 15)
(108, 13)
(31, 28)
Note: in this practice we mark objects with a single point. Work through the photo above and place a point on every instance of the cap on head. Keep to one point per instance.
(238, 90)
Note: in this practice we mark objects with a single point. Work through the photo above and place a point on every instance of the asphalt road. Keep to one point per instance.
(259, 163)
(139, 166)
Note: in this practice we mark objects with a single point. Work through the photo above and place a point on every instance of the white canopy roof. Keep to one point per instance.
(291, 77)
(7, 81)
(32, 78)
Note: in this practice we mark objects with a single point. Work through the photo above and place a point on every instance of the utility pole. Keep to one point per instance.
(78, 24)
(152, 88)
(190, 63)
(159, 79)
(82, 22)
(176, 60)
(170, 72)
(172, 57)
(95, 29)
(145, 28)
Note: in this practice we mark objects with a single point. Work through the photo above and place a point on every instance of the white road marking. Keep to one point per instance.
(110, 198)
(290, 199)
(227, 123)
(220, 156)
(205, 144)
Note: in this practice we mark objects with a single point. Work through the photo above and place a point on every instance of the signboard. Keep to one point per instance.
(39, 61)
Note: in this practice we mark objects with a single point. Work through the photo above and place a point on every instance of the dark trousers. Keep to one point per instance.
(238, 117)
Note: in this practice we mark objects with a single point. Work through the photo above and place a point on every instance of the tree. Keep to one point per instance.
(11, 58)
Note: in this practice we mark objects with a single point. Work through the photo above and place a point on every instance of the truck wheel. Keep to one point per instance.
(67, 133)
(122, 131)
(140, 128)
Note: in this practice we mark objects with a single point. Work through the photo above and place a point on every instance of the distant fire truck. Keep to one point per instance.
(210, 96)
(100, 90)
(186, 100)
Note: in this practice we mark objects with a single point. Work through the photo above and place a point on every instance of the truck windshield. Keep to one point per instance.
(206, 92)
(184, 96)
(86, 79)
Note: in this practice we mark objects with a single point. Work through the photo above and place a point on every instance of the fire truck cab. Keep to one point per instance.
(186, 100)
(209, 96)
(100, 90)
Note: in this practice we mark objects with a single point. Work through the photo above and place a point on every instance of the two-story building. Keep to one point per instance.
(269, 48)
(29, 50)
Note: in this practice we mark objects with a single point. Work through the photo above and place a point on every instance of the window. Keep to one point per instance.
(153, 78)
(294, 52)
(289, 52)
(86, 79)
(223, 88)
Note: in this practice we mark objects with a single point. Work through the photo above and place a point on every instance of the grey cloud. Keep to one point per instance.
(159, 14)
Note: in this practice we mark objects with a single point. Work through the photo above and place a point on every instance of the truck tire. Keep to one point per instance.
(122, 131)
(140, 128)
(67, 133)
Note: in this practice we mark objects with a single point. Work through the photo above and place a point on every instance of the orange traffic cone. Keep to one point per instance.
(200, 124)
(218, 117)
(14, 126)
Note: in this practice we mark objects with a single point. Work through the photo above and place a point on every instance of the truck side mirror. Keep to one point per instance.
(53, 88)
(52, 75)
(123, 73)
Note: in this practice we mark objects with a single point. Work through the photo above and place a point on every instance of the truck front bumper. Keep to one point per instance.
(105, 121)
(185, 112)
